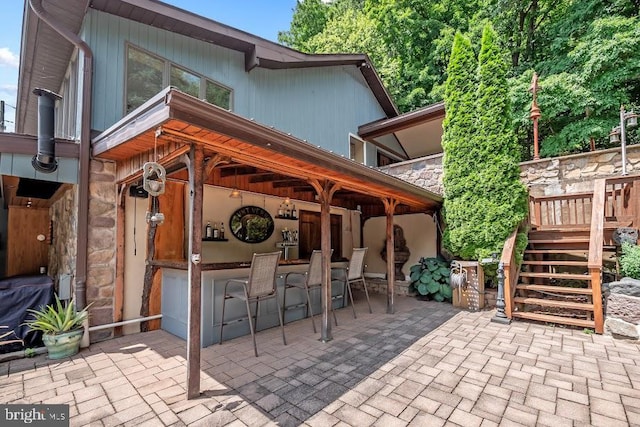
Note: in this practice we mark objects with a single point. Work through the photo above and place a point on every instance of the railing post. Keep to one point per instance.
(500, 316)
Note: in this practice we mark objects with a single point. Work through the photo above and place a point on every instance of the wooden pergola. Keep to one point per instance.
(203, 144)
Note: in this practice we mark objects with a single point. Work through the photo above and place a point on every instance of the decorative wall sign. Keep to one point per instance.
(251, 224)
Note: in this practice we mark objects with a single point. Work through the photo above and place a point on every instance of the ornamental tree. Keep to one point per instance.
(484, 198)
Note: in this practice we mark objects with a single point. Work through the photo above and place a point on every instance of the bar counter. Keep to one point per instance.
(214, 277)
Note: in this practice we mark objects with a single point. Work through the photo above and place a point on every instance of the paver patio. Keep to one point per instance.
(426, 365)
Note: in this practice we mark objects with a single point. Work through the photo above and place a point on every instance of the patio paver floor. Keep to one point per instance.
(427, 365)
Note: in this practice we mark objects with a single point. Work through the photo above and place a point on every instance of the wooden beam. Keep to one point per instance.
(325, 192)
(214, 162)
(389, 208)
(194, 319)
(287, 183)
(118, 293)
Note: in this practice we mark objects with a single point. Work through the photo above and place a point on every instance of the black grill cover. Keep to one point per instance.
(17, 294)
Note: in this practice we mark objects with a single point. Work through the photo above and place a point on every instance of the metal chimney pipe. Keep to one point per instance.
(45, 159)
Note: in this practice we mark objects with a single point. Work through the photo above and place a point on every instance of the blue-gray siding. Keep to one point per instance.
(321, 105)
(20, 165)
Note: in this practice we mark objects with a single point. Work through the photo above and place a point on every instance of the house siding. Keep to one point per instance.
(321, 105)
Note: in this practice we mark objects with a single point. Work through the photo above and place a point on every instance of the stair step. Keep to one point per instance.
(556, 251)
(548, 318)
(554, 303)
(557, 262)
(568, 276)
(608, 225)
(554, 289)
(559, 240)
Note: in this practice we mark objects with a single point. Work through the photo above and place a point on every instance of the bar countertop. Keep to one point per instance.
(208, 266)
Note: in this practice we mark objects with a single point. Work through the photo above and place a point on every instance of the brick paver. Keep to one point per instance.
(426, 365)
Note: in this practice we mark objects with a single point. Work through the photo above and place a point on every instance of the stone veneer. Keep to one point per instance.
(558, 175)
(101, 268)
(425, 172)
(622, 308)
(63, 250)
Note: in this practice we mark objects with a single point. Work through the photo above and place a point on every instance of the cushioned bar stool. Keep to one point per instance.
(260, 286)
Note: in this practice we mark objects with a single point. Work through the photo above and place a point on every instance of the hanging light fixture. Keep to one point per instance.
(287, 200)
(235, 193)
(614, 136)
(632, 119)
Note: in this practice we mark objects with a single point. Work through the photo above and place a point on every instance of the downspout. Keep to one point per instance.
(85, 150)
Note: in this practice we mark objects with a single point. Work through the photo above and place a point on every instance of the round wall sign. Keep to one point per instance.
(251, 224)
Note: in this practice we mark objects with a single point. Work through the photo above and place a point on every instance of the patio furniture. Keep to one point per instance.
(309, 280)
(355, 273)
(260, 286)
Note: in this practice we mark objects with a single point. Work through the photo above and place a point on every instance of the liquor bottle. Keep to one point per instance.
(280, 210)
(216, 234)
(294, 212)
(222, 230)
(287, 212)
(208, 231)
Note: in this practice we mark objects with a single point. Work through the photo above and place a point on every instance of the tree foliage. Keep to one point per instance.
(585, 52)
(484, 198)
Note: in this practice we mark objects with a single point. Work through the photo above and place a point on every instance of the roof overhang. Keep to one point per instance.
(419, 132)
(14, 143)
(184, 120)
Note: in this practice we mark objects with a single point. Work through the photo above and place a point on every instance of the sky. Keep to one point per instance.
(264, 18)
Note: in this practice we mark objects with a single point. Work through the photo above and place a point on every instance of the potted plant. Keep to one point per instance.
(61, 327)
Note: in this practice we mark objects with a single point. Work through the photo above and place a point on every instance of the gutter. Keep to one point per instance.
(85, 150)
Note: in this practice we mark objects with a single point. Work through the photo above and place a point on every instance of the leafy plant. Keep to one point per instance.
(56, 318)
(630, 261)
(430, 278)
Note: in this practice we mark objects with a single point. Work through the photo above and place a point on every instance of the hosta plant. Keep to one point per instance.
(430, 279)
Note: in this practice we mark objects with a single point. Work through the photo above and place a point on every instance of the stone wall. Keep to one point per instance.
(63, 250)
(425, 172)
(101, 269)
(558, 175)
(577, 172)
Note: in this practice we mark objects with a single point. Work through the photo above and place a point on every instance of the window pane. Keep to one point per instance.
(144, 77)
(218, 95)
(185, 81)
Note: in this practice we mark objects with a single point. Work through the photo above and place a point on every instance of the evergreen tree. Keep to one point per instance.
(484, 198)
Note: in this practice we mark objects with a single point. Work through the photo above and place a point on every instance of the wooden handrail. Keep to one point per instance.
(511, 271)
(596, 241)
(580, 195)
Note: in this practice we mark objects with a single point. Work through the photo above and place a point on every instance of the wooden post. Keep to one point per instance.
(194, 319)
(389, 208)
(325, 193)
(118, 294)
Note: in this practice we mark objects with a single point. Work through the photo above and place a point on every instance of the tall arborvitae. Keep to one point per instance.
(457, 139)
(487, 201)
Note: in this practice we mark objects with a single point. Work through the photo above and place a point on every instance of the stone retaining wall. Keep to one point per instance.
(558, 175)
(622, 308)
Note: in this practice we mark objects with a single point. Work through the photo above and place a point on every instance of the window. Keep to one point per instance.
(185, 81)
(384, 160)
(147, 75)
(218, 95)
(144, 77)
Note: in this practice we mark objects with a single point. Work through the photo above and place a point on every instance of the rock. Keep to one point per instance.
(624, 307)
(625, 286)
(618, 327)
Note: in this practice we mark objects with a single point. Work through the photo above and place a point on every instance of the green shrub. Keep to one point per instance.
(430, 278)
(630, 261)
(484, 198)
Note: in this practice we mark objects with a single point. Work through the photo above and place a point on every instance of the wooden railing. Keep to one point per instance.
(511, 271)
(560, 210)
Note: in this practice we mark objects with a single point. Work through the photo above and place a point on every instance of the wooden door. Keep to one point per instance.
(310, 234)
(25, 253)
